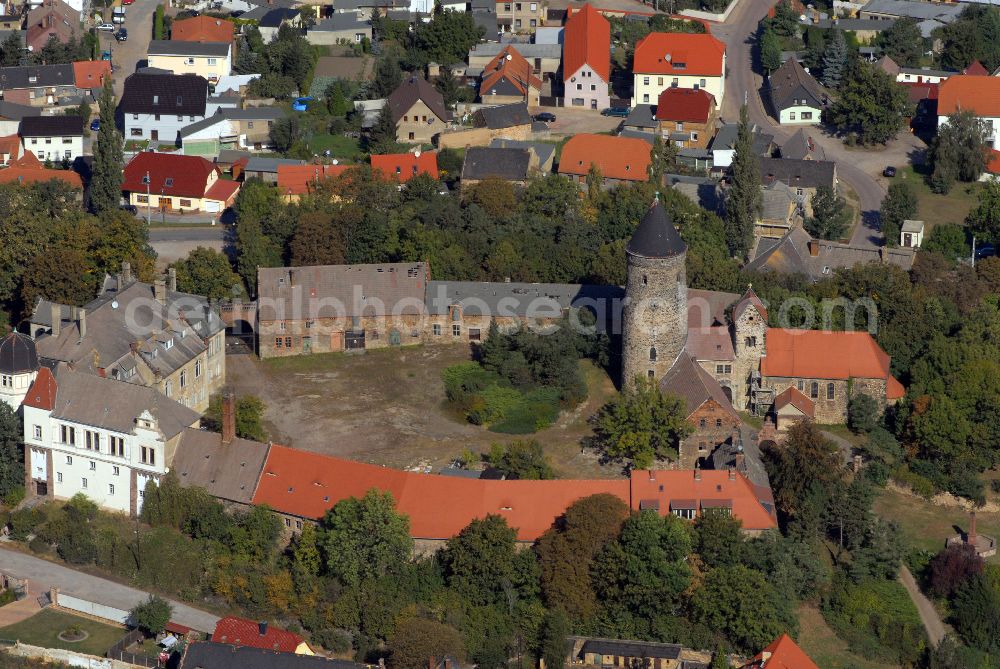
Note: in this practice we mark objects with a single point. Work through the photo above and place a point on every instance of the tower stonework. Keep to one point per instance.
(654, 323)
(749, 344)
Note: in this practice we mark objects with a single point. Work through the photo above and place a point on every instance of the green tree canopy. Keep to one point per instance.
(898, 205)
(365, 538)
(984, 219)
(417, 640)
(151, 616)
(642, 425)
(831, 215)
(870, 105)
(903, 42)
(958, 152)
(207, 272)
(744, 198)
(106, 182)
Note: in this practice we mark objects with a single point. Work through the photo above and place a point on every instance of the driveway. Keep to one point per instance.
(44, 575)
(936, 629)
(173, 243)
(126, 55)
(859, 169)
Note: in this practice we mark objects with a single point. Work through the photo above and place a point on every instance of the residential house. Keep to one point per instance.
(802, 146)
(294, 181)
(53, 138)
(520, 16)
(703, 191)
(89, 75)
(641, 122)
(804, 176)
(39, 85)
(101, 437)
(158, 106)
(508, 79)
(484, 14)
(597, 652)
(980, 95)
(546, 152)
(619, 159)
(210, 655)
(18, 368)
(234, 84)
(210, 60)
(545, 59)
(180, 351)
(250, 633)
(418, 111)
(780, 211)
(270, 23)
(10, 149)
(11, 115)
(27, 169)
(783, 653)
(887, 10)
(911, 235)
(203, 29)
(266, 169)
(795, 96)
(687, 117)
(678, 60)
(791, 406)
(723, 147)
(513, 165)
(177, 183)
(923, 75)
(346, 28)
(587, 59)
(51, 20)
(402, 167)
(11, 22)
(247, 129)
(510, 121)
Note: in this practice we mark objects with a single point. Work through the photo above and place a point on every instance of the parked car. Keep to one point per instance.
(238, 13)
(121, 35)
(889, 171)
(130, 208)
(545, 117)
(95, 125)
(621, 112)
(301, 104)
(985, 251)
(109, 27)
(106, 55)
(127, 2)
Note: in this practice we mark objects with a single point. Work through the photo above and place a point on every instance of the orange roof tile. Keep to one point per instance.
(404, 166)
(977, 94)
(307, 484)
(625, 158)
(90, 73)
(28, 169)
(10, 146)
(698, 489)
(685, 104)
(302, 179)
(793, 396)
(202, 29)
(42, 392)
(894, 390)
(222, 190)
(822, 354)
(783, 653)
(242, 632)
(679, 53)
(587, 41)
(993, 161)
(508, 65)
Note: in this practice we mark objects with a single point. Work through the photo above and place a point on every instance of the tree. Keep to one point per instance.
(595, 180)
(807, 458)
(495, 196)
(450, 88)
(254, 249)
(249, 417)
(521, 460)
(831, 215)
(862, 413)
(151, 616)
(836, 60)
(106, 182)
(984, 220)
(718, 539)
(11, 456)
(285, 133)
(365, 538)
(388, 76)
(903, 42)
(952, 567)
(899, 204)
(555, 629)
(947, 239)
(382, 136)
(975, 35)
(744, 198)
(770, 48)
(320, 239)
(976, 612)
(786, 20)
(642, 425)
(447, 38)
(566, 552)
(11, 50)
(417, 640)
(158, 32)
(958, 151)
(870, 106)
(207, 272)
(662, 159)
(61, 275)
(482, 563)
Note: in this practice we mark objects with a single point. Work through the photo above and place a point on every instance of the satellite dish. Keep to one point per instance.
(509, 57)
(416, 154)
(667, 57)
(336, 162)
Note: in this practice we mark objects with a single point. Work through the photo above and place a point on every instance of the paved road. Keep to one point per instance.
(125, 55)
(860, 170)
(94, 588)
(936, 629)
(182, 234)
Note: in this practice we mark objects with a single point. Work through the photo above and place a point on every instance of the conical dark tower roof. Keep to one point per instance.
(17, 354)
(656, 236)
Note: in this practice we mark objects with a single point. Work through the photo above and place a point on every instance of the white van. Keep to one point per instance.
(118, 15)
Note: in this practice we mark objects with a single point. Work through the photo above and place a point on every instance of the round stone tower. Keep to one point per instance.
(654, 321)
(18, 368)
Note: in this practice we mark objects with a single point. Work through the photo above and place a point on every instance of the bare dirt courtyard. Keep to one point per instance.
(388, 407)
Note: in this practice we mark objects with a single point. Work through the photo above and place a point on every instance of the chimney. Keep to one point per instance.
(56, 314)
(697, 474)
(172, 280)
(228, 418)
(732, 474)
(971, 536)
(741, 462)
(814, 247)
(81, 322)
(291, 277)
(126, 273)
(262, 627)
(652, 475)
(160, 291)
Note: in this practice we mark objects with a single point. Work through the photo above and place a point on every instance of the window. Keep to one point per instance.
(645, 97)
(116, 471)
(517, 23)
(802, 385)
(135, 117)
(135, 132)
(288, 522)
(694, 137)
(659, 81)
(650, 374)
(456, 330)
(830, 391)
(141, 199)
(652, 354)
(506, 7)
(117, 447)
(156, 117)
(148, 455)
(410, 135)
(298, 524)
(93, 440)
(436, 329)
(702, 83)
(719, 368)
(189, 61)
(729, 369)
(69, 459)
(111, 488)
(750, 342)
(534, 6)
(184, 378)
(791, 116)
(93, 466)
(674, 82)
(59, 477)
(680, 126)
(807, 116)
(645, 279)
(288, 342)
(593, 87)
(814, 390)
(278, 342)
(83, 483)
(579, 87)
(38, 431)
(197, 369)
(168, 389)
(212, 61)
(180, 118)
(185, 203)
(718, 422)
(68, 435)
(702, 423)
(645, 81)
(6, 381)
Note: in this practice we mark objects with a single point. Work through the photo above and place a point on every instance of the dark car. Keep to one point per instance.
(621, 112)
(95, 125)
(130, 208)
(545, 117)
(985, 251)
(121, 35)
(889, 171)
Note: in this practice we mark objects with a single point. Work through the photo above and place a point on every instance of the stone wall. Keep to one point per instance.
(459, 139)
(828, 411)
(714, 426)
(750, 325)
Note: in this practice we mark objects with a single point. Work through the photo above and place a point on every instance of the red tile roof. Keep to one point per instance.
(976, 69)
(10, 146)
(783, 653)
(980, 95)
(42, 393)
(700, 489)
(302, 179)
(307, 484)
(679, 53)
(202, 29)
(625, 158)
(242, 632)
(508, 65)
(749, 299)
(223, 190)
(685, 105)
(90, 73)
(587, 41)
(822, 354)
(915, 92)
(793, 396)
(28, 169)
(993, 161)
(404, 166)
(169, 173)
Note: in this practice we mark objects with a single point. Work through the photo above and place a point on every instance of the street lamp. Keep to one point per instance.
(149, 204)
(163, 210)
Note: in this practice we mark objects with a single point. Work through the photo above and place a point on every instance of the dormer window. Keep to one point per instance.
(156, 99)
(180, 101)
(145, 179)
(169, 182)
(32, 79)
(168, 344)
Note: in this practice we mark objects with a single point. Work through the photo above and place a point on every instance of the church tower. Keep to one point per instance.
(654, 322)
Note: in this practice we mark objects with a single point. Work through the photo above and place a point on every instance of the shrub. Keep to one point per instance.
(877, 619)
(917, 483)
(862, 413)
(39, 545)
(22, 523)
(952, 567)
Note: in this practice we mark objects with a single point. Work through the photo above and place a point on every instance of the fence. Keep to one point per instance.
(708, 16)
(90, 608)
(118, 652)
(66, 657)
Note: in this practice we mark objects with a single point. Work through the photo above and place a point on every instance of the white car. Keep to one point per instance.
(110, 27)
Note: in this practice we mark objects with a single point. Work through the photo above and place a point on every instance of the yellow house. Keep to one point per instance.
(678, 60)
(211, 60)
(173, 183)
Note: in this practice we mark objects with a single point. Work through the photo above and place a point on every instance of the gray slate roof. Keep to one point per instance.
(182, 94)
(338, 22)
(522, 299)
(944, 12)
(483, 162)
(703, 192)
(229, 471)
(656, 236)
(791, 82)
(17, 354)
(801, 146)
(776, 201)
(209, 655)
(689, 381)
(621, 648)
(529, 51)
(16, 112)
(545, 152)
(274, 17)
(262, 164)
(162, 47)
(51, 126)
(233, 114)
(798, 173)
(725, 139)
(502, 116)
(642, 116)
(36, 76)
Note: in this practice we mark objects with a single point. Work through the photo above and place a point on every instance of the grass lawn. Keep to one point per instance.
(43, 628)
(340, 146)
(827, 649)
(927, 525)
(933, 208)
